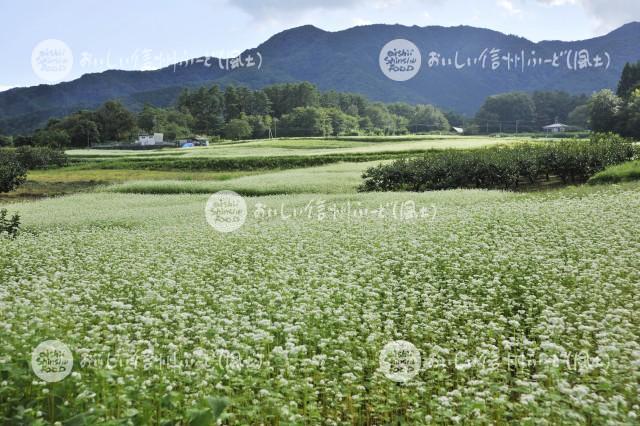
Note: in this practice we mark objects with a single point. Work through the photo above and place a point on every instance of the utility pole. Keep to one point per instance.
(517, 127)
(487, 127)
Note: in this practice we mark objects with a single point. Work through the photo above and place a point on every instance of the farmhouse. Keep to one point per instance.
(556, 127)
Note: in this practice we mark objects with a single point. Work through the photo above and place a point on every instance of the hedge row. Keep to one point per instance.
(572, 161)
(37, 157)
(233, 164)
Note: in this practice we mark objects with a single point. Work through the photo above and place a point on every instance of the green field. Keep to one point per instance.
(307, 147)
(329, 179)
(523, 306)
(143, 171)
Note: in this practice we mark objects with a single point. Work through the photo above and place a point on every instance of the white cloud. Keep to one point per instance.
(557, 2)
(272, 9)
(269, 9)
(3, 88)
(606, 14)
(509, 7)
(360, 21)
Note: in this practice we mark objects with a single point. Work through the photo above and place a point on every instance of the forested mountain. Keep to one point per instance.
(461, 66)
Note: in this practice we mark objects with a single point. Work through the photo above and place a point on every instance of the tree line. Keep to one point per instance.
(300, 109)
(290, 109)
(604, 111)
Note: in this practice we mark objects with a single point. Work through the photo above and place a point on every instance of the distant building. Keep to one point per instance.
(556, 127)
(458, 130)
(154, 139)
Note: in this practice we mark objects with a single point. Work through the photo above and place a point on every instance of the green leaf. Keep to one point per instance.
(217, 406)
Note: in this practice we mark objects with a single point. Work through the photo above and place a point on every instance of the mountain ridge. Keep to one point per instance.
(345, 60)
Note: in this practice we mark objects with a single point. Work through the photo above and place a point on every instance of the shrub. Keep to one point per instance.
(12, 172)
(41, 157)
(10, 227)
(573, 161)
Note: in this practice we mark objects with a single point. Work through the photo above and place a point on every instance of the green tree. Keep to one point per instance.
(579, 117)
(365, 124)
(402, 109)
(604, 107)
(400, 124)
(115, 122)
(554, 106)
(286, 97)
(341, 123)
(260, 125)
(5, 141)
(260, 104)
(629, 80)
(22, 140)
(147, 118)
(237, 128)
(12, 172)
(427, 118)
(55, 138)
(305, 121)
(84, 133)
(232, 104)
(81, 127)
(455, 119)
(504, 110)
(206, 106)
(630, 124)
(379, 116)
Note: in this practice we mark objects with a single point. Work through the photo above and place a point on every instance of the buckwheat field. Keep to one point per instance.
(523, 309)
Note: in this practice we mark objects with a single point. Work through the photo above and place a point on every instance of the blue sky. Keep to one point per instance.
(128, 34)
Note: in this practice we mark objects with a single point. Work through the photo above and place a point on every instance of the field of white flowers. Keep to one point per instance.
(525, 308)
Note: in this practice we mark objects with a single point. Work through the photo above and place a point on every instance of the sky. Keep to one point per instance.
(149, 34)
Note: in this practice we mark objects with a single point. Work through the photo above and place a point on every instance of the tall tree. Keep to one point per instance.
(428, 118)
(629, 81)
(115, 122)
(285, 97)
(305, 121)
(206, 105)
(604, 106)
(147, 118)
(555, 106)
(504, 110)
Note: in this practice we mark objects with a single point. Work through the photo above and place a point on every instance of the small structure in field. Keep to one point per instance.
(458, 130)
(154, 139)
(191, 142)
(556, 127)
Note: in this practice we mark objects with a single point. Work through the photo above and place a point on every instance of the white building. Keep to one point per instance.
(150, 139)
(556, 127)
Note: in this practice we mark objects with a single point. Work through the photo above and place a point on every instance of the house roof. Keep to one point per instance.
(555, 126)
